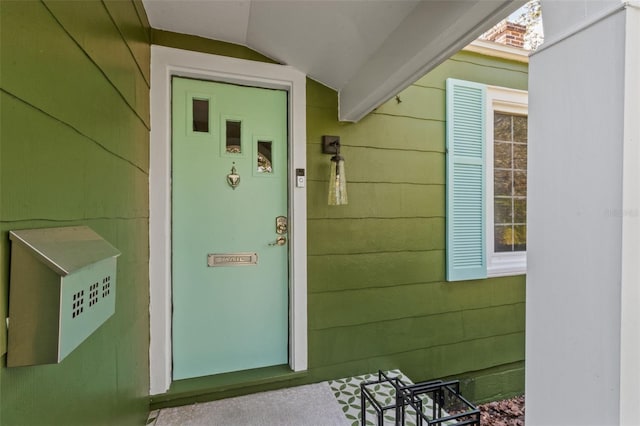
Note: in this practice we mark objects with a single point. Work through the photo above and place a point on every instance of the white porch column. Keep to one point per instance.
(583, 278)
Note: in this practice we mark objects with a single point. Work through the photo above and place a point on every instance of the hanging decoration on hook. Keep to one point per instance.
(233, 178)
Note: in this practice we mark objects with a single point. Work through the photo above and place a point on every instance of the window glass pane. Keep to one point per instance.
(520, 238)
(510, 238)
(265, 157)
(520, 156)
(510, 182)
(519, 183)
(503, 211)
(519, 128)
(502, 155)
(502, 127)
(234, 137)
(520, 210)
(502, 182)
(503, 238)
(200, 115)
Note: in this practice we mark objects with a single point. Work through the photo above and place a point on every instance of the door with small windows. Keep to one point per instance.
(229, 228)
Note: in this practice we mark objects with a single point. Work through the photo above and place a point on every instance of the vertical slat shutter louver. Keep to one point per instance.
(466, 252)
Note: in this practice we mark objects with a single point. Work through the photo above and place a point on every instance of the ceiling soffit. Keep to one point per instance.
(367, 50)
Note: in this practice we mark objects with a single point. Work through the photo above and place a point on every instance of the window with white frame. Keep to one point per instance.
(486, 180)
(506, 181)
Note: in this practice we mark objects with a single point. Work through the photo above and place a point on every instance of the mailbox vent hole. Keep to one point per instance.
(106, 286)
(93, 294)
(78, 304)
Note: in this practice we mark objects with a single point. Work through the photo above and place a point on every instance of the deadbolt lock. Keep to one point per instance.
(281, 225)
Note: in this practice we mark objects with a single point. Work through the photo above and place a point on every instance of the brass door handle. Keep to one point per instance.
(280, 241)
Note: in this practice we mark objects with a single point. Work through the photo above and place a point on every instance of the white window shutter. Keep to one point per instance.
(466, 248)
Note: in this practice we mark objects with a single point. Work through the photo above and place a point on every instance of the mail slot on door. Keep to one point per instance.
(232, 259)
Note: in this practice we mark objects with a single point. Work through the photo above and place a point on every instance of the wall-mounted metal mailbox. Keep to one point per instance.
(63, 287)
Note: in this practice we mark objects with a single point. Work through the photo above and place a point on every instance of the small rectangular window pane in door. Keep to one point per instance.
(234, 137)
(265, 159)
(201, 115)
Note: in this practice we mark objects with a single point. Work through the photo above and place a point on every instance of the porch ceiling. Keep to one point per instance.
(368, 50)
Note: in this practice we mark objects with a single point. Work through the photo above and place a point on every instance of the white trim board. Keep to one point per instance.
(630, 284)
(497, 50)
(165, 63)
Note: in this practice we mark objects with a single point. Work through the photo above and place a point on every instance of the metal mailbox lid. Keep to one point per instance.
(66, 249)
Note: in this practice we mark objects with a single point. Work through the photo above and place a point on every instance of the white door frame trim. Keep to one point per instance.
(165, 63)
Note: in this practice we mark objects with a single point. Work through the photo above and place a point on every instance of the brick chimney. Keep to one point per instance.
(508, 33)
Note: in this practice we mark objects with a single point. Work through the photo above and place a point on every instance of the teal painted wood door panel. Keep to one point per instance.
(228, 317)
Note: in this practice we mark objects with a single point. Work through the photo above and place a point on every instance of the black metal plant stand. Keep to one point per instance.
(434, 403)
(370, 392)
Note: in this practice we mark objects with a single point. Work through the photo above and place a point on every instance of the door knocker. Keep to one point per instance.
(233, 178)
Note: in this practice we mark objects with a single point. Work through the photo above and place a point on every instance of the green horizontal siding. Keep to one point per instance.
(439, 361)
(74, 96)
(493, 384)
(479, 68)
(375, 235)
(372, 271)
(348, 307)
(420, 332)
(375, 165)
(377, 291)
(85, 23)
(381, 131)
(376, 200)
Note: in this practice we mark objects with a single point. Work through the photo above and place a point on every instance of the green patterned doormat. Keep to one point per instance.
(347, 392)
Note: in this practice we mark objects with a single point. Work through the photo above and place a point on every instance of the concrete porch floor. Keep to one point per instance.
(331, 403)
(307, 405)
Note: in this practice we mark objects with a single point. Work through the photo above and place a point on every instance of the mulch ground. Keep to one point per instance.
(508, 412)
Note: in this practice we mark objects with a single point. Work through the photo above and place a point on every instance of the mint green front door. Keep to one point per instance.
(229, 257)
